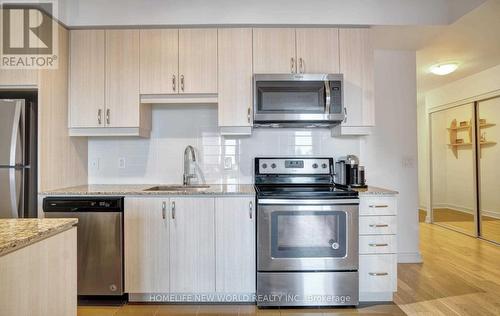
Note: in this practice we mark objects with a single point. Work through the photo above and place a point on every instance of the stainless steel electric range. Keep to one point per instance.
(307, 234)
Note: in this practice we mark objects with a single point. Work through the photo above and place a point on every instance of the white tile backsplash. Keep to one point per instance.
(159, 159)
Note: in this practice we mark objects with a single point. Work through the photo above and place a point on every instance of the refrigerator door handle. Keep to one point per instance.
(15, 133)
(14, 195)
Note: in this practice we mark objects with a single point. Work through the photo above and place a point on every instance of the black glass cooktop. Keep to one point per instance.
(304, 192)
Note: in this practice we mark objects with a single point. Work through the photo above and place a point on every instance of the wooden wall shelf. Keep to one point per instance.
(455, 130)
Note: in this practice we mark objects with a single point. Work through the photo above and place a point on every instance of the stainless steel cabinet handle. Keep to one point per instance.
(164, 209)
(378, 206)
(292, 65)
(345, 115)
(378, 273)
(248, 114)
(108, 113)
(378, 245)
(250, 208)
(182, 82)
(173, 82)
(301, 65)
(99, 116)
(173, 209)
(379, 225)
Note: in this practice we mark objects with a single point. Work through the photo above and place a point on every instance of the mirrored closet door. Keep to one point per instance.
(488, 151)
(452, 137)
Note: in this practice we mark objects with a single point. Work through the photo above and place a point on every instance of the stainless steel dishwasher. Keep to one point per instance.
(99, 240)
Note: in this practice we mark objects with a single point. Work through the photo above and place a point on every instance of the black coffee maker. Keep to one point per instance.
(348, 172)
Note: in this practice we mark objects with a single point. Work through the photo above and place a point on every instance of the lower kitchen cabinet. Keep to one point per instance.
(235, 245)
(192, 245)
(377, 247)
(147, 255)
(189, 245)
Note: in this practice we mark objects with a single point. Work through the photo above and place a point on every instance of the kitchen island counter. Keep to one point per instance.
(19, 233)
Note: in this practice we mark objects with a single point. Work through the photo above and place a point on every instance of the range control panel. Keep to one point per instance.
(294, 165)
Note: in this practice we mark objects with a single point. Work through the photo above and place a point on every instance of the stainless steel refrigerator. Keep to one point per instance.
(18, 153)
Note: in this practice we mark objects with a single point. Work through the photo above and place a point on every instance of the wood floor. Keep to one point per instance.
(460, 276)
(464, 222)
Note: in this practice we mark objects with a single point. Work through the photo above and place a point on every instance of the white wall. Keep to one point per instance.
(203, 12)
(482, 85)
(390, 153)
(159, 159)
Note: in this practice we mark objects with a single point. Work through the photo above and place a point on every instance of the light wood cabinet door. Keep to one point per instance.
(122, 78)
(317, 50)
(192, 245)
(159, 61)
(86, 78)
(356, 63)
(146, 242)
(198, 60)
(274, 50)
(235, 244)
(235, 76)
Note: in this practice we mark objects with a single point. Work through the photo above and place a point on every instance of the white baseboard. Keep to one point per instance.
(409, 257)
(454, 207)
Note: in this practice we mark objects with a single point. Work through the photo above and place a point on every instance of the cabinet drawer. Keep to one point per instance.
(374, 244)
(378, 205)
(377, 273)
(377, 225)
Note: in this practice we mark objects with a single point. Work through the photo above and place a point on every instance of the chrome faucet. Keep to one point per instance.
(187, 176)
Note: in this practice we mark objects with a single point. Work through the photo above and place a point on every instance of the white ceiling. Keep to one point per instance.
(466, 31)
(473, 41)
(76, 13)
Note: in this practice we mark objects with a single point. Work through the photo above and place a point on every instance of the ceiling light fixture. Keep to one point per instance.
(444, 69)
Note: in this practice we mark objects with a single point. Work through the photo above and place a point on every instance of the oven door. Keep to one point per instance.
(298, 98)
(307, 235)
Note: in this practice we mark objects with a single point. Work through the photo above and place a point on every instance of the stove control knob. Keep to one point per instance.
(273, 165)
(264, 166)
(315, 165)
(324, 166)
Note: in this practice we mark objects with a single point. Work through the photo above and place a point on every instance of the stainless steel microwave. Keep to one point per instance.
(298, 100)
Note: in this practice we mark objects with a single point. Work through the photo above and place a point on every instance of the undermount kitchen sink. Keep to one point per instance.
(193, 187)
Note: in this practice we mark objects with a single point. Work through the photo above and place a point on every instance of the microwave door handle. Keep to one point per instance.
(327, 97)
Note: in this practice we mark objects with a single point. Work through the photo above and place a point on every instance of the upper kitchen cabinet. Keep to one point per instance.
(86, 78)
(317, 50)
(198, 60)
(122, 78)
(235, 81)
(274, 50)
(178, 66)
(302, 50)
(356, 63)
(104, 84)
(159, 65)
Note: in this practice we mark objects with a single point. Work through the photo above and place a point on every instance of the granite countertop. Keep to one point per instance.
(19, 233)
(375, 191)
(136, 189)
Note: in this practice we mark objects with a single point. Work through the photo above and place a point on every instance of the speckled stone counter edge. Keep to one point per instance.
(375, 191)
(109, 189)
(19, 233)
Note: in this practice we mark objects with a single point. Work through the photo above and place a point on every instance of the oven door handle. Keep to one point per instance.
(308, 202)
